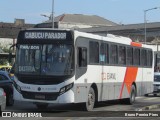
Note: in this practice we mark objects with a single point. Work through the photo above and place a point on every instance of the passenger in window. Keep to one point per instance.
(102, 58)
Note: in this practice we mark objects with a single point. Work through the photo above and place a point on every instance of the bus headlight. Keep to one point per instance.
(65, 88)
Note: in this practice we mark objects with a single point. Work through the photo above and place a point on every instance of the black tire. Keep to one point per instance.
(132, 97)
(42, 105)
(155, 95)
(146, 95)
(10, 100)
(90, 100)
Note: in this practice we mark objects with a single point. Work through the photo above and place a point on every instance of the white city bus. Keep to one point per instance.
(67, 66)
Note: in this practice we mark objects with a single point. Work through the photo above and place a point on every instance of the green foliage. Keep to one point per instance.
(4, 61)
(5, 49)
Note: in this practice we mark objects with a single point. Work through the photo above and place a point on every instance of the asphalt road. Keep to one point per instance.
(107, 109)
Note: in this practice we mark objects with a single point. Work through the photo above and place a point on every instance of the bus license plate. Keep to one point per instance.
(42, 97)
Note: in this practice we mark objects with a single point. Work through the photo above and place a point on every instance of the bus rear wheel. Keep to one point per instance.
(132, 97)
(91, 100)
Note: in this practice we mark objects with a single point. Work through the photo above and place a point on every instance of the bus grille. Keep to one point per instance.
(40, 96)
(39, 80)
(42, 80)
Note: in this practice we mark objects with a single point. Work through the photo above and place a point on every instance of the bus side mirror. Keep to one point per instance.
(10, 53)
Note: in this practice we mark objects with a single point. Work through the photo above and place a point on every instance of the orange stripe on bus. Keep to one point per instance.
(136, 44)
(130, 77)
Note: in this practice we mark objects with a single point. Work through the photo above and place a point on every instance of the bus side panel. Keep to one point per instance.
(121, 73)
(147, 84)
(84, 82)
(139, 81)
(95, 76)
(144, 81)
(117, 84)
(108, 79)
(132, 75)
(112, 84)
(81, 91)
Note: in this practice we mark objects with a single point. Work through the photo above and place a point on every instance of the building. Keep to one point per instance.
(75, 21)
(88, 23)
(9, 31)
(133, 31)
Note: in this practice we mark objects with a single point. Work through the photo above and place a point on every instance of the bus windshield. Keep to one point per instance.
(46, 59)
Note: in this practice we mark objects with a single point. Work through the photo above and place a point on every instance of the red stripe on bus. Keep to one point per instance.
(130, 77)
(136, 44)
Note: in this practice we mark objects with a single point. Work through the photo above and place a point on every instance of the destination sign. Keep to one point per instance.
(45, 35)
(33, 47)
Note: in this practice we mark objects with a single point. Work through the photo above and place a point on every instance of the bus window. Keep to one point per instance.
(136, 58)
(122, 55)
(82, 57)
(129, 56)
(47, 59)
(104, 53)
(30, 60)
(56, 59)
(94, 52)
(149, 58)
(113, 54)
(143, 57)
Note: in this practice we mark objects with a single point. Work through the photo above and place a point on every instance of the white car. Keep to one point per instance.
(156, 83)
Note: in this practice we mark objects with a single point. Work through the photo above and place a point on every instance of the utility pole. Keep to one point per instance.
(52, 13)
(145, 21)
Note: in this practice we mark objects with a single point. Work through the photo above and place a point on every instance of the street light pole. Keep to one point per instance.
(145, 21)
(52, 13)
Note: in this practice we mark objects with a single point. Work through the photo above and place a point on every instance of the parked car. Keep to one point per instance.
(156, 82)
(2, 100)
(7, 84)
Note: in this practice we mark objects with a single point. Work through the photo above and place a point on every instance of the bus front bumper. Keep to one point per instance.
(67, 97)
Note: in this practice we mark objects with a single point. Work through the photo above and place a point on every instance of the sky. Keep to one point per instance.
(118, 11)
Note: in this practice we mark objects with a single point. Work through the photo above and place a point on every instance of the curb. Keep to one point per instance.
(149, 107)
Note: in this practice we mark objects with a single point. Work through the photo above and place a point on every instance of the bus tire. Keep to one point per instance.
(132, 97)
(41, 105)
(155, 95)
(90, 100)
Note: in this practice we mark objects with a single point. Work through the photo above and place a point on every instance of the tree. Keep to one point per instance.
(4, 49)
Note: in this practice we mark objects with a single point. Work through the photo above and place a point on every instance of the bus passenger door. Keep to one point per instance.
(81, 58)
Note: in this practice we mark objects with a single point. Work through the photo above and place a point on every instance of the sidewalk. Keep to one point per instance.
(151, 108)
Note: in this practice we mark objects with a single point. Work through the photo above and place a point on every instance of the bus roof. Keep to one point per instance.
(108, 37)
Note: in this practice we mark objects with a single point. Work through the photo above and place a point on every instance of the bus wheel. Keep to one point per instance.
(41, 105)
(155, 95)
(91, 100)
(132, 97)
